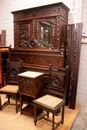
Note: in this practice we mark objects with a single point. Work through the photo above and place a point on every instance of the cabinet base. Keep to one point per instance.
(29, 110)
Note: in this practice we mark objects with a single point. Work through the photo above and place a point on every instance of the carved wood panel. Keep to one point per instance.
(26, 26)
(40, 58)
(73, 57)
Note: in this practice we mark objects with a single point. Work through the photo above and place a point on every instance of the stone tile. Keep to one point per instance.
(81, 120)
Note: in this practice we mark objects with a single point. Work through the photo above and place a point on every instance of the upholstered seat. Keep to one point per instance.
(10, 89)
(50, 101)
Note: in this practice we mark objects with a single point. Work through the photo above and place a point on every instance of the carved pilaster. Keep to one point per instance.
(73, 56)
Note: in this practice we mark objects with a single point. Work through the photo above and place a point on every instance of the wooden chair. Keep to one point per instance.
(11, 88)
(54, 101)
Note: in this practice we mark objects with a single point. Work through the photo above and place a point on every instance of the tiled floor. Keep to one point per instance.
(10, 120)
(81, 120)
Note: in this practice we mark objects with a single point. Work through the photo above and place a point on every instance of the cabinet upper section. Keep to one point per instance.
(43, 27)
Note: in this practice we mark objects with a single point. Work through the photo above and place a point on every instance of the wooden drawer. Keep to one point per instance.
(31, 86)
(26, 88)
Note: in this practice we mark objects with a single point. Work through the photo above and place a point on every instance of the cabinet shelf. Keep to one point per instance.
(29, 110)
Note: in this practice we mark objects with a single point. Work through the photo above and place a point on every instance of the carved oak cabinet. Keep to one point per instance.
(40, 37)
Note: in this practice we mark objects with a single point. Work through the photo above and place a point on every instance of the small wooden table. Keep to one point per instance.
(30, 84)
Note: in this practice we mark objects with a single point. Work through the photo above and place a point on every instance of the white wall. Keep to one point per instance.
(84, 11)
(77, 14)
(82, 81)
(82, 84)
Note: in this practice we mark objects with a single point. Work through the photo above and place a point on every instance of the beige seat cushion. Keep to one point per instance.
(10, 88)
(49, 100)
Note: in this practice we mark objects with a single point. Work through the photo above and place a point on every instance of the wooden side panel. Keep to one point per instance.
(40, 58)
(74, 45)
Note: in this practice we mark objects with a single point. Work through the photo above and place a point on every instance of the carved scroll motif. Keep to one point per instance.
(24, 40)
(24, 37)
(56, 82)
(13, 73)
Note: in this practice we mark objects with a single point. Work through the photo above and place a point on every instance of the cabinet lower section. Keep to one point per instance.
(29, 110)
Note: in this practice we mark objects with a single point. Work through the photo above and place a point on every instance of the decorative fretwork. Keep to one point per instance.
(34, 43)
(56, 81)
(13, 73)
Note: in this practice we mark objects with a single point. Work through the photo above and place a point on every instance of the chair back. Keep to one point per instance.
(57, 82)
(13, 69)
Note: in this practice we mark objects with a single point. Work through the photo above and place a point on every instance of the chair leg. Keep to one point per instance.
(8, 96)
(21, 103)
(63, 114)
(16, 103)
(47, 114)
(53, 122)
